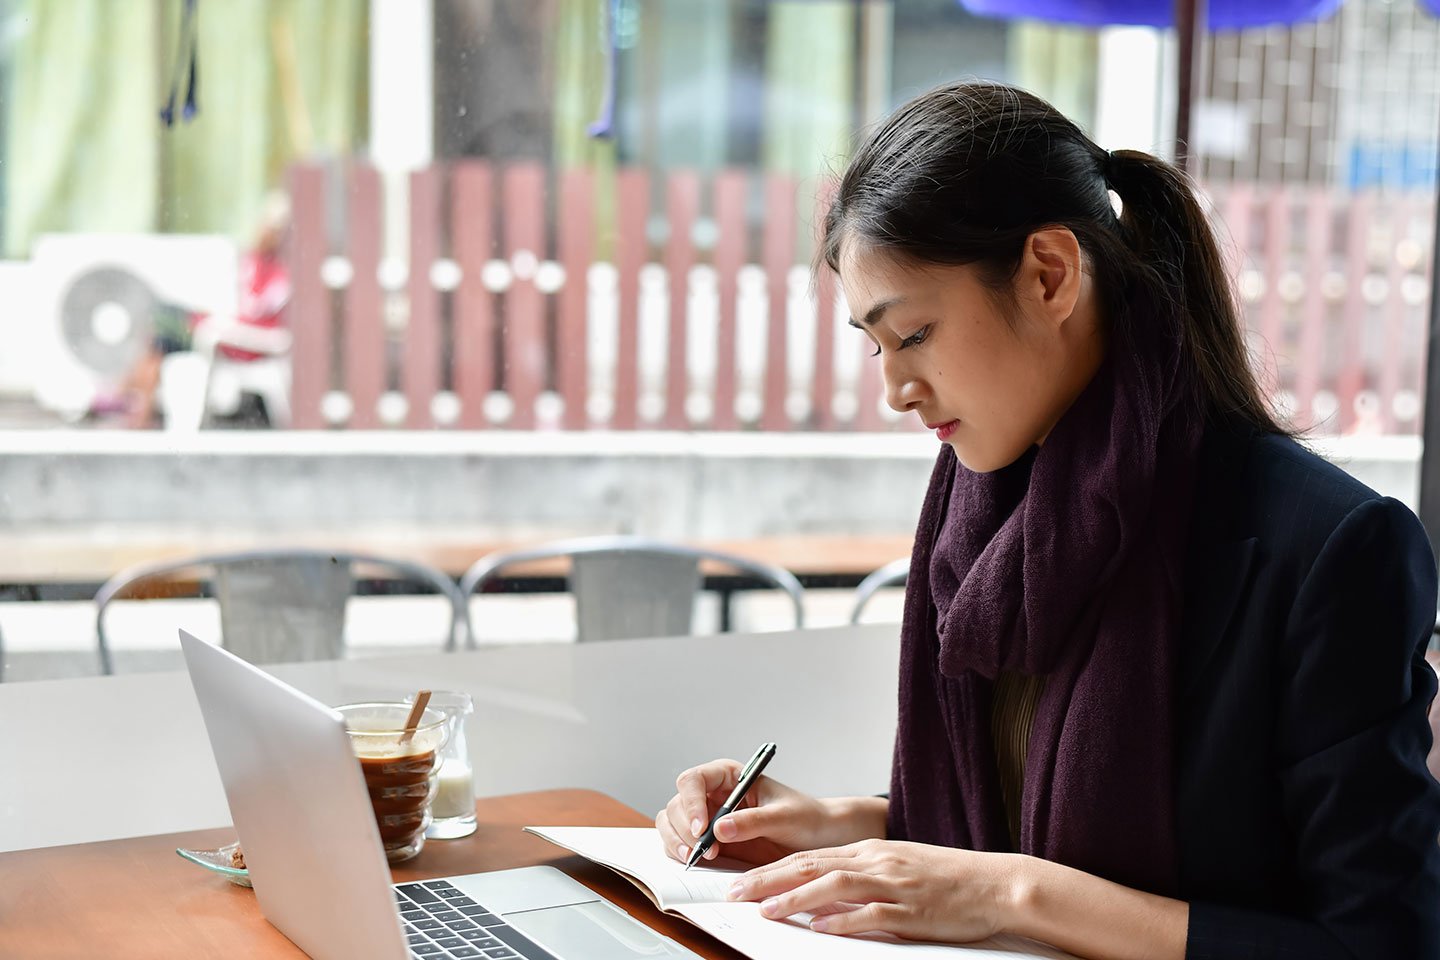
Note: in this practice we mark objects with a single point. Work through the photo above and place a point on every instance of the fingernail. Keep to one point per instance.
(697, 827)
(683, 851)
(724, 829)
(820, 924)
(737, 890)
(770, 907)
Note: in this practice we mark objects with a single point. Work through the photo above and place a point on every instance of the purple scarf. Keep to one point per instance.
(1066, 563)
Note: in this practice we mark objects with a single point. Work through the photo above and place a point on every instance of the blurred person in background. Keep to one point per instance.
(250, 335)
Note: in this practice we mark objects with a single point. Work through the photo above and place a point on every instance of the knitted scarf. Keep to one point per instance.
(1066, 563)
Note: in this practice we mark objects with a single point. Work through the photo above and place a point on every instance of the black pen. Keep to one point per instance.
(748, 776)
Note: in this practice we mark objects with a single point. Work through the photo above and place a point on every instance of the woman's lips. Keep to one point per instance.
(943, 430)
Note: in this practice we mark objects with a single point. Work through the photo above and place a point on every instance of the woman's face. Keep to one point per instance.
(989, 384)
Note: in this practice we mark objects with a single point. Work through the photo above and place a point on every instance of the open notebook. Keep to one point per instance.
(699, 896)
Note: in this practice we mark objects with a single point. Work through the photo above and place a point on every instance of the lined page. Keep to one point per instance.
(637, 851)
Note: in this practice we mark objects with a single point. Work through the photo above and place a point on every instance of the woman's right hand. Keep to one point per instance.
(772, 821)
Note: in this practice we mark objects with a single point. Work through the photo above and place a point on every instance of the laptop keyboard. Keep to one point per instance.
(441, 922)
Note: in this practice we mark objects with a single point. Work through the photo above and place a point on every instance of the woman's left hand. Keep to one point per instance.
(912, 890)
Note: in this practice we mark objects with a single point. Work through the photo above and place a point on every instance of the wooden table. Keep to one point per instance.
(136, 898)
(71, 566)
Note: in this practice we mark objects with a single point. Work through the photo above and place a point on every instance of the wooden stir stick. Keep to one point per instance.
(422, 699)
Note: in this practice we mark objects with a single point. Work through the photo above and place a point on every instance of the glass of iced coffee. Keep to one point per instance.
(401, 772)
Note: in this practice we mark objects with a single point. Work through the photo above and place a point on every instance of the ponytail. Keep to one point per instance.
(1179, 262)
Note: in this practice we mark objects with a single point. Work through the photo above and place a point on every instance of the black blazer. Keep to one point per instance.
(1307, 819)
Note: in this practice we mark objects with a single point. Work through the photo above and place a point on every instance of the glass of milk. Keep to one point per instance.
(453, 809)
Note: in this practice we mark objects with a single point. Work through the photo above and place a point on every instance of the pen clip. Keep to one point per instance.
(766, 749)
(754, 759)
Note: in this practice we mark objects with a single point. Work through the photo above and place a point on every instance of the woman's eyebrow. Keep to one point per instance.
(873, 315)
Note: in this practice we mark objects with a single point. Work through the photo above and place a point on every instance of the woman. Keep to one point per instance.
(1162, 687)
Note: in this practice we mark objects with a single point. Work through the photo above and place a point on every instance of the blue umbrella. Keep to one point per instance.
(1222, 14)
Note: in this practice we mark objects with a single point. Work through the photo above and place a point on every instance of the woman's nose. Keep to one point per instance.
(903, 390)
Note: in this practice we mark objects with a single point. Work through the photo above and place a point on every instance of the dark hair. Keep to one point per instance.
(965, 173)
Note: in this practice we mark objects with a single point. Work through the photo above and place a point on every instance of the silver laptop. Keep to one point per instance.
(313, 850)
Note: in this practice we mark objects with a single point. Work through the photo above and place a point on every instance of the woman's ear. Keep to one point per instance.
(1050, 274)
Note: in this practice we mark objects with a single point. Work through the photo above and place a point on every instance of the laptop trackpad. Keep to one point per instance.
(596, 931)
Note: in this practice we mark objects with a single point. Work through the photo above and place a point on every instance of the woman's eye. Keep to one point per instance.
(915, 338)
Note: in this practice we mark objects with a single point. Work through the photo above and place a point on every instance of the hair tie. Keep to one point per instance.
(1108, 164)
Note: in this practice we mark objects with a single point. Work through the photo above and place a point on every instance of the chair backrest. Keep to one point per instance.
(633, 587)
(284, 604)
(283, 608)
(894, 572)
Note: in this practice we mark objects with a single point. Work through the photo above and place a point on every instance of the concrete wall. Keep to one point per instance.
(507, 485)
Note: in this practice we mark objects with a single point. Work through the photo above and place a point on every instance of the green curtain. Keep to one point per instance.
(809, 86)
(81, 106)
(578, 55)
(279, 81)
(86, 152)
(579, 59)
(809, 100)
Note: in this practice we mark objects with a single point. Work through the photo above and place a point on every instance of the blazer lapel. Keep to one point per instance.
(1224, 572)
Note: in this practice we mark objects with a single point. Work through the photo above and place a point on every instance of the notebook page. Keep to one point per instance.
(699, 896)
(637, 851)
(741, 926)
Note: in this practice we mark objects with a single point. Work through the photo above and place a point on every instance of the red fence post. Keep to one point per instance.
(779, 257)
(1272, 306)
(472, 218)
(576, 243)
(1314, 315)
(308, 314)
(525, 347)
(1353, 374)
(727, 203)
(822, 380)
(872, 390)
(633, 189)
(1236, 207)
(682, 208)
(365, 367)
(421, 369)
(1393, 314)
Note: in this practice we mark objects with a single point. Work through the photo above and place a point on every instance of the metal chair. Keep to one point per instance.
(894, 572)
(632, 587)
(281, 605)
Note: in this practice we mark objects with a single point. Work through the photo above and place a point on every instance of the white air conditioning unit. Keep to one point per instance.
(93, 303)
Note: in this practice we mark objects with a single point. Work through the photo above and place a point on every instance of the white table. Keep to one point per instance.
(108, 757)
